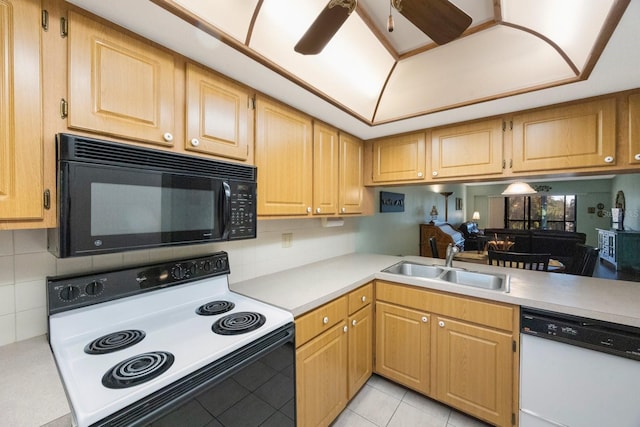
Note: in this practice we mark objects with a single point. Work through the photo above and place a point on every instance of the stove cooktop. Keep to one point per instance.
(164, 339)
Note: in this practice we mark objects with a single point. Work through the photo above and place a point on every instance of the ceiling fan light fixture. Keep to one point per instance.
(518, 188)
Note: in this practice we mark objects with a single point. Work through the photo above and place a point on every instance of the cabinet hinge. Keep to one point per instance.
(514, 346)
(513, 418)
(510, 163)
(504, 164)
(44, 19)
(64, 108)
(64, 27)
(47, 199)
(510, 124)
(252, 103)
(504, 126)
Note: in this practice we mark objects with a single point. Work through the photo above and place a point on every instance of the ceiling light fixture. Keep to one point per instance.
(518, 188)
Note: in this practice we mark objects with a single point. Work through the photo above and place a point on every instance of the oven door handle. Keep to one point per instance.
(226, 211)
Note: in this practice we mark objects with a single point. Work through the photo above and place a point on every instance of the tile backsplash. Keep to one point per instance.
(25, 263)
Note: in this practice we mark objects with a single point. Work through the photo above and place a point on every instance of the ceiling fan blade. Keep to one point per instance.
(325, 26)
(439, 19)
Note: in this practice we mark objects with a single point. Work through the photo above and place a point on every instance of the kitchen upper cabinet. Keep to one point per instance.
(21, 141)
(634, 129)
(403, 342)
(326, 161)
(568, 137)
(351, 177)
(284, 157)
(474, 369)
(219, 119)
(466, 150)
(399, 158)
(119, 85)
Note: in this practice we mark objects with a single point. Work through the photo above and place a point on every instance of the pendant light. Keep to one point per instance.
(518, 188)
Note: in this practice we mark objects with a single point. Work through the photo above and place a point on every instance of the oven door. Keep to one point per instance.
(108, 208)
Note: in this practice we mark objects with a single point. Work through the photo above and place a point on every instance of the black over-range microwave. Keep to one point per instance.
(116, 197)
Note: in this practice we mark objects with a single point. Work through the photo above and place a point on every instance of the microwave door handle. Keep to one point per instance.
(226, 210)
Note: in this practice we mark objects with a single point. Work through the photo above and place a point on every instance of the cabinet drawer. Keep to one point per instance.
(360, 298)
(319, 320)
(488, 313)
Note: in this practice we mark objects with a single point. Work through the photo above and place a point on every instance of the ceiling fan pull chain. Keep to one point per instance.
(390, 20)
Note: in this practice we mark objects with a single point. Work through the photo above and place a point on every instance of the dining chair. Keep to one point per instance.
(434, 247)
(525, 261)
(584, 260)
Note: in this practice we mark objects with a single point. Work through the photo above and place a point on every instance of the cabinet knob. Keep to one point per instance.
(309, 209)
(434, 173)
(325, 320)
(441, 324)
(425, 319)
(195, 142)
(344, 328)
(353, 322)
(420, 174)
(364, 298)
(168, 137)
(343, 210)
(637, 156)
(318, 210)
(608, 159)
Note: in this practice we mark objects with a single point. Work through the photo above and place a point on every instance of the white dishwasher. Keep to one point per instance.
(578, 372)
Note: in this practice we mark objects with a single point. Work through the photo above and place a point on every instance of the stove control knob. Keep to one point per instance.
(220, 264)
(69, 293)
(191, 270)
(94, 288)
(178, 272)
(207, 266)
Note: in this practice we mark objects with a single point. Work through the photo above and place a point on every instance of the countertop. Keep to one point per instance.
(31, 393)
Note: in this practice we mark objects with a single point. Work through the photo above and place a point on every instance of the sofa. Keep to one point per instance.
(560, 244)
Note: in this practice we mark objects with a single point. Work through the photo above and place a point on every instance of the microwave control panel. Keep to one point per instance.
(243, 210)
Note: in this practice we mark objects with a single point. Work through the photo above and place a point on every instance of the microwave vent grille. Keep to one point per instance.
(102, 152)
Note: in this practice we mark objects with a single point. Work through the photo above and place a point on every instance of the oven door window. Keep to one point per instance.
(113, 208)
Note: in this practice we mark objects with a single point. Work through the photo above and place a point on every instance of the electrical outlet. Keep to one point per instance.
(287, 240)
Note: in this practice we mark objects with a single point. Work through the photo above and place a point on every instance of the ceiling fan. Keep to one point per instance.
(438, 19)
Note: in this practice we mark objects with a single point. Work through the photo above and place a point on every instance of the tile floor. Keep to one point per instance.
(381, 403)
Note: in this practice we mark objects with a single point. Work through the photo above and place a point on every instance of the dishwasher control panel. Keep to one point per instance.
(612, 338)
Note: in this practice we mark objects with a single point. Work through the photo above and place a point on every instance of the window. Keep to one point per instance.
(541, 211)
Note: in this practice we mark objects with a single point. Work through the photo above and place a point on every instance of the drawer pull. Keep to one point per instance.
(325, 320)
(364, 298)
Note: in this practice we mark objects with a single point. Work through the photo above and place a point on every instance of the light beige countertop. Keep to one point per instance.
(31, 393)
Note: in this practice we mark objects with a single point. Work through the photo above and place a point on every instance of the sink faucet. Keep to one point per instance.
(451, 251)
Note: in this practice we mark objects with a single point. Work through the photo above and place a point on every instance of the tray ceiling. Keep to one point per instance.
(512, 46)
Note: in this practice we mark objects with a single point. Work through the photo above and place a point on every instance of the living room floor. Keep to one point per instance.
(382, 403)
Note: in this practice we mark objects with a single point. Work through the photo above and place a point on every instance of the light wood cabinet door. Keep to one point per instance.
(351, 175)
(119, 85)
(569, 137)
(21, 143)
(467, 150)
(326, 160)
(219, 117)
(634, 129)
(284, 157)
(399, 158)
(360, 349)
(321, 372)
(403, 345)
(474, 370)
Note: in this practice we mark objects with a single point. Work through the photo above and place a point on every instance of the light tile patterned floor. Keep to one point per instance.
(381, 403)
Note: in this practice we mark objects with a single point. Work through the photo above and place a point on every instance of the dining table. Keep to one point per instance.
(482, 257)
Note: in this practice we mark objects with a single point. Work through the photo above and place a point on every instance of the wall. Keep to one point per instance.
(630, 186)
(397, 233)
(25, 264)
(589, 193)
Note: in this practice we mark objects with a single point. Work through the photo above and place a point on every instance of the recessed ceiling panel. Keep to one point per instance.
(574, 25)
(496, 62)
(351, 69)
(232, 17)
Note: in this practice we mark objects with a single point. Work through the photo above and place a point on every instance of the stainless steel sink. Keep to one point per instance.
(415, 270)
(479, 280)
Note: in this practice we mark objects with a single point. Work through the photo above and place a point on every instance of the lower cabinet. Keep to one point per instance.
(455, 349)
(403, 342)
(333, 356)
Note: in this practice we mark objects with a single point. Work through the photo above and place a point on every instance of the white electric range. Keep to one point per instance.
(136, 344)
